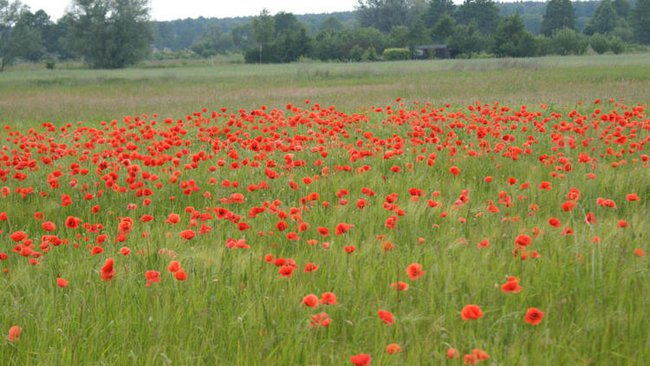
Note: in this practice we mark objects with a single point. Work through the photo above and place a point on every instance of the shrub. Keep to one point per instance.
(599, 43)
(395, 54)
(616, 45)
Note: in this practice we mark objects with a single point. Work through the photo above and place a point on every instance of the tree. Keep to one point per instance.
(443, 28)
(278, 38)
(213, 43)
(438, 9)
(484, 13)
(622, 8)
(567, 41)
(331, 23)
(291, 37)
(466, 41)
(384, 14)
(111, 34)
(599, 43)
(605, 19)
(559, 14)
(641, 21)
(33, 33)
(9, 44)
(512, 39)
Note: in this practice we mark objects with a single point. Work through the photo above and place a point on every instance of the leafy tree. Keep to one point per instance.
(605, 19)
(443, 28)
(559, 14)
(622, 8)
(26, 38)
(9, 40)
(278, 38)
(567, 41)
(466, 41)
(384, 14)
(599, 43)
(111, 34)
(242, 36)
(512, 39)
(438, 9)
(349, 44)
(213, 43)
(331, 23)
(484, 13)
(641, 21)
(617, 45)
(291, 37)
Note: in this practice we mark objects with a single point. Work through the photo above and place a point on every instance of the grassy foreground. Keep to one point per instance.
(392, 230)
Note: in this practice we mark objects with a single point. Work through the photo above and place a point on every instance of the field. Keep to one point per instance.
(488, 212)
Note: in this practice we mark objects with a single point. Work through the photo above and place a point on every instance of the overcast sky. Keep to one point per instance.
(175, 9)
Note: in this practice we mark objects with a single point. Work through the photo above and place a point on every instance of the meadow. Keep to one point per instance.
(457, 212)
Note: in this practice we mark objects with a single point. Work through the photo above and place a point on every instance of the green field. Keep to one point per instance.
(28, 95)
(201, 214)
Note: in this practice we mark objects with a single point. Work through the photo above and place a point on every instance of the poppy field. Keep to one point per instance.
(408, 233)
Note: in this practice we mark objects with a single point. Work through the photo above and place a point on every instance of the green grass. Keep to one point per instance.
(234, 308)
(33, 96)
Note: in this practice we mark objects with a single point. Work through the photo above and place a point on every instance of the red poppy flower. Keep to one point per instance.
(48, 226)
(632, 197)
(310, 300)
(471, 312)
(286, 271)
(328, 298)
(452, 353)
(323, 231)
(125, 251)
(152, 276)
(393, 348)
(310, 267)
(639, 252)
(107, 270)
(523, 240)
(386, 317)
(533, 316)
(14, 333)
(72, 222)
(173, 218)
(174, 266)
(342, 228)
(188, 234)
(61, 282)
(400, 286)
(320, 319)
(454, 170)
(17, 236)
(483, 244)
(414, 271)
(180, 275)
(362, 359)
(511, 286)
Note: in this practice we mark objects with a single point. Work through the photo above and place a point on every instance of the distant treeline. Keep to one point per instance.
(118, 33)
(181, 34)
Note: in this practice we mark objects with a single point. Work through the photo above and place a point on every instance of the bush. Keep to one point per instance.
(616, 45)
(50, 63)
(370, 54)
(567, 41)
(599, 43)
(395, 54)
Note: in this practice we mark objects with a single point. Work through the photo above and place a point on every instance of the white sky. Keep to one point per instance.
(175, 9)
